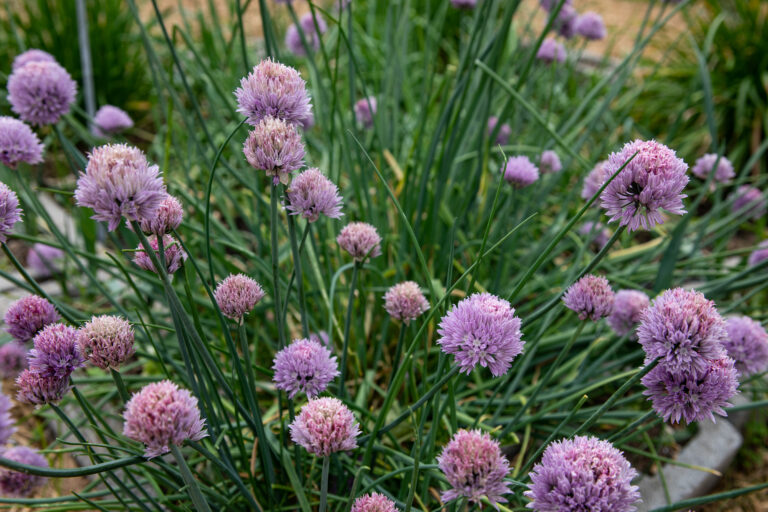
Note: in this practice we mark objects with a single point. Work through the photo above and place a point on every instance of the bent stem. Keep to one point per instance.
(195, 494)
(347, 322)
(324, 484)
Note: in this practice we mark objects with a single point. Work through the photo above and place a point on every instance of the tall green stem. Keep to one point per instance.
(275, 267)
(299, 276)
(347, 322)
(324, 484)
(195, 494)
(120, 384)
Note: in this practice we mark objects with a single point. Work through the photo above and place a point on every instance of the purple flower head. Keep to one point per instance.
(475, 468)
(55, 353)
(273, 90)
(44, 260)
(520, 171)
(684, 329)
(10, 213)
(692, 395)
(551, 50)
(311, 194)
(321, 337)
(373, 502)
(405, 302)
(598, 233)
(311, 34)
(747, 345)
(161, 414)
(365, 110)
(33, 55)
(38, 389)
(16, 483)
(304, 366)
(706, 164)
(628, 308)
(18, 143)
(464, 4)
(481, 329)
(325, 426)
(505, 131)
(7, 423)
(119, 182)
(590, 26)
(594, 180)
(549, 162)
(360, 240)
(759, 254)
(13, 359)
(174, 254)
(107, 341)
(548, 5)
(749, 201)
(109, 120)
(237, 294)
(582, 474)
(28, 315)
(167, 217)
(565, 23)
(40, 92)
(653, 181)
(590, 297)
(275, 147)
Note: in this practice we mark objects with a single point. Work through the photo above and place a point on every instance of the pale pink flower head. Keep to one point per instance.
(40, 92)
(110, 120)
(275, 147)
(750, 202)
(591, 297)
(549, 162)
(28, 315)
(505, 131)
(312, 194)
(304, 366)
(273, 90)
(31, 55)
(55, 352)
(365, 110)
(162, 414)
(10, 213)
(594, 180)
(18, 143)
(705, 165)
(38, 389)
(174, 254)
(18, 484)
(747, 345)
(237, 295)
(360, 240)
(13, 359)
(373, 502)
(44, 260)
(107, 341)
(520, 171)
(475, 468)
(325, 426)
(628, 308)
(167, 217)
(551, 51)
(405, 302)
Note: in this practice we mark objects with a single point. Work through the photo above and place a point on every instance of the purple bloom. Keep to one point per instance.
(10, 213)
(40, 92)
(325, 426)
(161, 414)
(360, 240)
(405, 302)
(273, 90)
(174, 254)
(584, 474)
(119, 182)
(692, 395)
(684, 329)
(55, 353)
(237, 294)
(551, 50)
(464, 4)
(598, 233)
(475, 467)
(109, 120)
(167, 217)
(7, 423)
(311, 194)
(16, 483)
(481, 329)
(590, 297)
(594, 180)
(44, 260)
(28, 315)
(549, 162)
(311, 34)
(749, 201)
(505, 131)
(107, 341)
(628, 308)
(38, 389)
(747, 345)
(32, 55)
(520, 171)
(565, 23)
(548, 5)
(706, 164)
(373, 502)
(759, 254)
(13, 359)
(304, 366)
(18, 143)
(652, 181)
(365, 110)
(275, 147)
(321, 337)
(590, 25)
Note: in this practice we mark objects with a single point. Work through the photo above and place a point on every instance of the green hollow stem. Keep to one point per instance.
(324, 484)
(121, 389)
(275, 266)
(242, 334)
(195, 494)
(299, 276)
(347, 323)
(398, 353)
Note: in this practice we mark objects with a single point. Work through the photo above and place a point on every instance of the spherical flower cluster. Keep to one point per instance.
(167, 217)
(759, 254)
(237, 294)
(590, 297)
(174, 254)
(474, 467)
(750, 202)
(32, 55)
(549, 162)
(583, 473)
(119, 182)
(38, 389)
(273, 90)
(44, 260)
(311, 32)
(520, 171)
(551, 50)
(597, 232)
(311, 194)
(325, 426)
(464, 4)
(18, 143)
(481, 329)
(10, 213)
(628, 308)
(706, 164)
(405, 302)
(161, 414)
(505, 131)
(304, 366)
(16, 483)
(7, 423)
(565, 22)
(40, 92)
(25, 317)
(373, 502)
(747, 345)
(590, 25)
(595, 179)
(365, 111)
(109, 120)
(13, 359)
(55, 352)
(107, 341)
(275, 147)
(360, 240)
